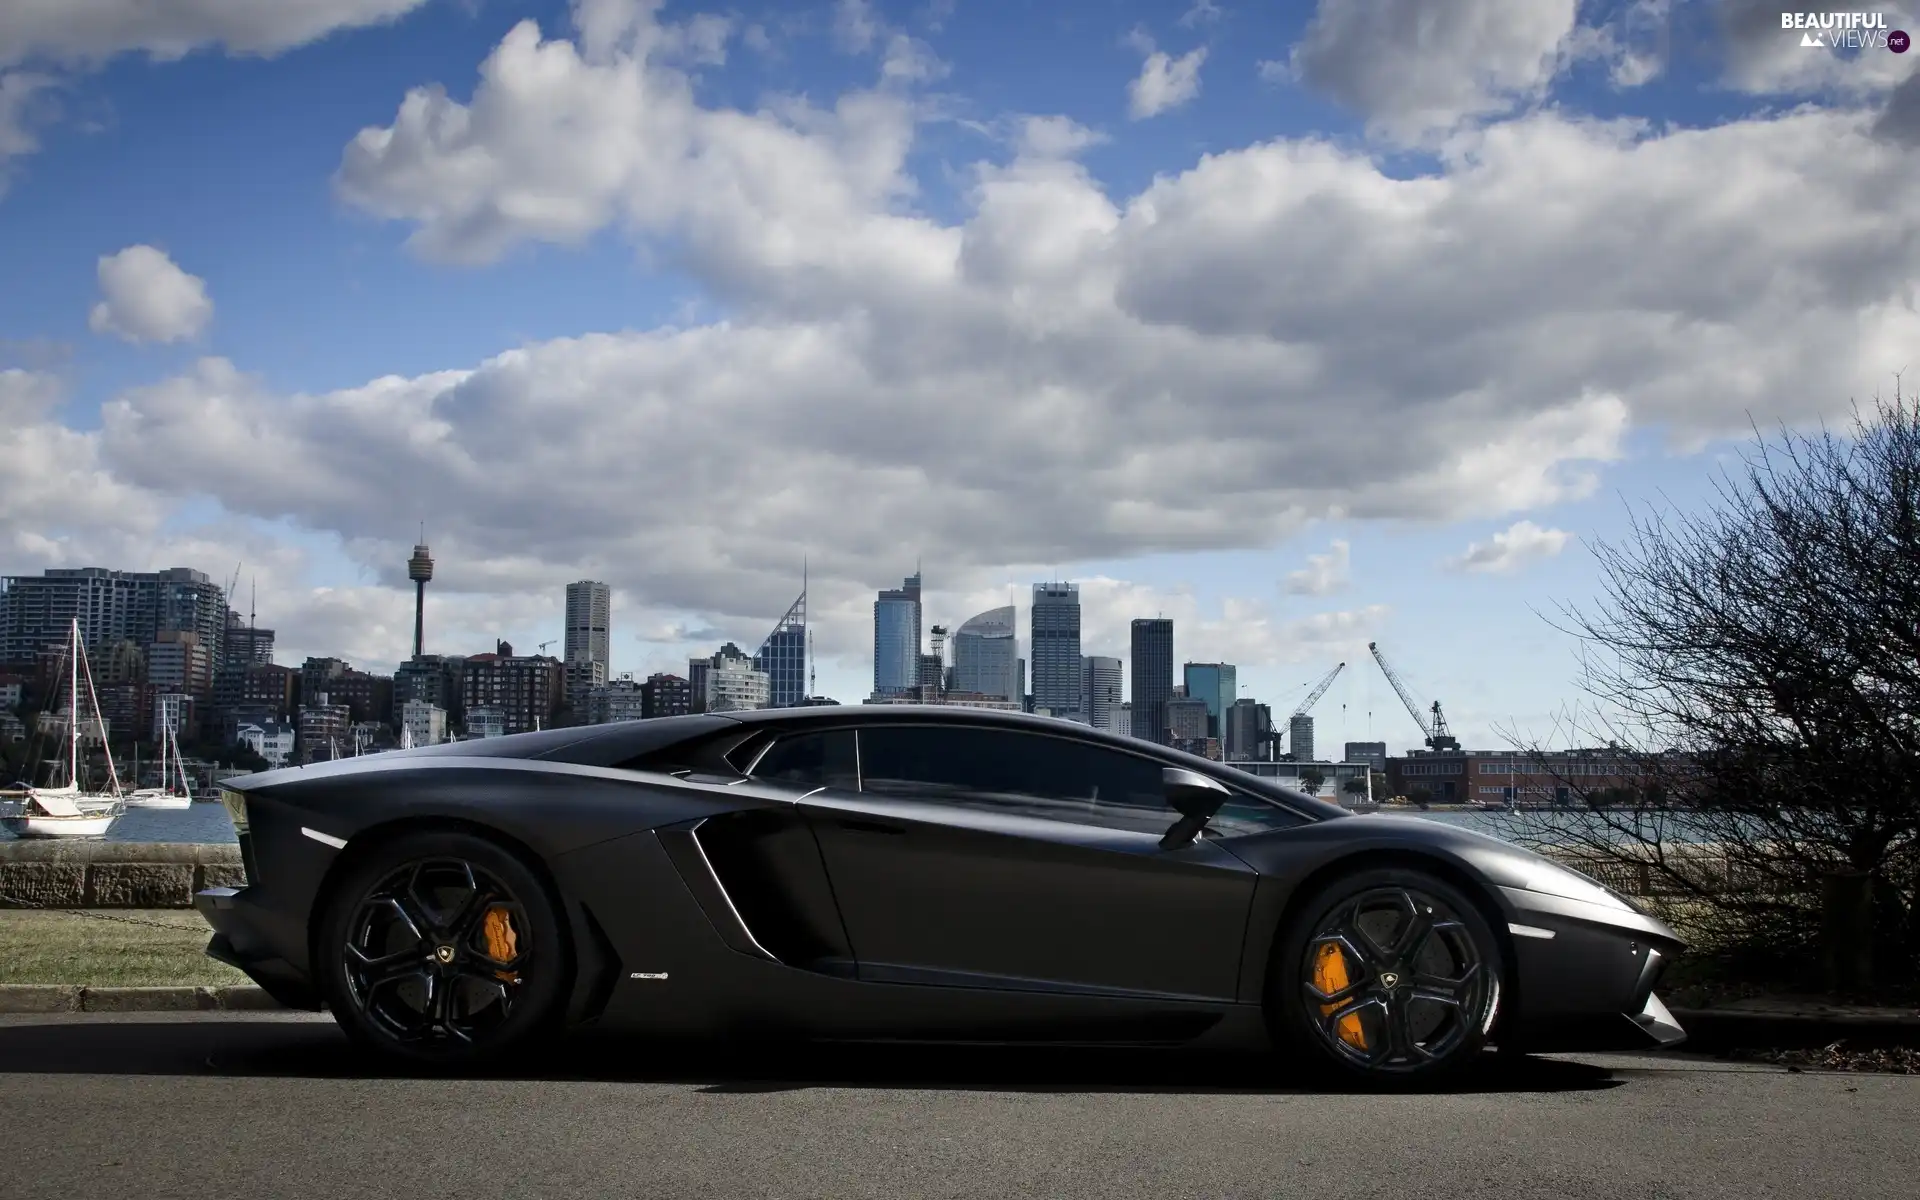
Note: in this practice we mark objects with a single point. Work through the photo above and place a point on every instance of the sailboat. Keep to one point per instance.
(66, 810)
(164, 796)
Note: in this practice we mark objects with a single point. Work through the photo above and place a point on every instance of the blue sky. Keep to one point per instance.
(1165, 298)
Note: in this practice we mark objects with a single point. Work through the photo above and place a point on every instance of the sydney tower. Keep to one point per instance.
(419, 569)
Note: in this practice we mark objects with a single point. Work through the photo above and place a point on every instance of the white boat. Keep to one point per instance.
(67, 811)
(164, 796)
(62, 813)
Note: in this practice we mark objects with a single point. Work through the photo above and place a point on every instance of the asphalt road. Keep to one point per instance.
(264, 1105)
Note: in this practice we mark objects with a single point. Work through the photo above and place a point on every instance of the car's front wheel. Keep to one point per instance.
(1389, 975)
(442, 948)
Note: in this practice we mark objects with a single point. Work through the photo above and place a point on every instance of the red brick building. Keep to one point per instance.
(1495, 777)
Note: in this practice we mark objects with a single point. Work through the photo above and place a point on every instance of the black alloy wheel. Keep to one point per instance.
(1390, 975)
(443, 948)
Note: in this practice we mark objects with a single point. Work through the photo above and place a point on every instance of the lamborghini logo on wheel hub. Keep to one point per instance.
(1389, 980)
(443, 953)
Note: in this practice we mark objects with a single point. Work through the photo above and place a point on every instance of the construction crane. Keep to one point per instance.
(545, 644)
(1319, 690)
(233, 583)
(1437, 735)
(1301, 710)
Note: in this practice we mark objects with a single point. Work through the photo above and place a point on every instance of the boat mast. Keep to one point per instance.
(180, 764)
(93, 698)
(73, 706)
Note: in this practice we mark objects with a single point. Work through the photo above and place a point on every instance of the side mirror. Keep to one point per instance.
(1195, 797)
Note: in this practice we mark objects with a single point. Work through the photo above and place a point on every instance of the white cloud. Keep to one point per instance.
(1202, 12)
(55, 482)
(1414, 69)
(17, 92)
(1324, 574)
(93, 30)
(1054, 137)
(21, 93)
(1521, 543)
(1637, 46)
(558, 143)
(1164, 82)
(149, 299)
(855, 28)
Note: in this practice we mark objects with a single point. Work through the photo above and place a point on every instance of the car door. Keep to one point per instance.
(983, 857)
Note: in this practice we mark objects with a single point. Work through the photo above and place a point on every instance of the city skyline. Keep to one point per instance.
(998, 290)
(982, 649)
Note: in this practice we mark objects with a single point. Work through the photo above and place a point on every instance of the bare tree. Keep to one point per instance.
(1759, 663)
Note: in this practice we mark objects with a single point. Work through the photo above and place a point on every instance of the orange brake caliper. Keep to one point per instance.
(1329, 976)
(502, 942)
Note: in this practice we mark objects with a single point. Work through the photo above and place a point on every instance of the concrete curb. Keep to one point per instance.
(1718, 1030)
(69, 998)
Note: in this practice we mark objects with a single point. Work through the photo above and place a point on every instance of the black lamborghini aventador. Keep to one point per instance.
(911, 873)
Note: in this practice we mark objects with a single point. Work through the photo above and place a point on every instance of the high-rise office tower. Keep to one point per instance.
(986, 655)
(896, 638)
(1100, 698)
(1058, 679)
(589, 645)
(783, 656)
(1152, 677)
(1218, 684)
(1300, 737)
(932, 679)
(1249, 736)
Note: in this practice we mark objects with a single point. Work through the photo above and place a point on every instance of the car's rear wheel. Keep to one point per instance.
(1389, 975)
(443, 948)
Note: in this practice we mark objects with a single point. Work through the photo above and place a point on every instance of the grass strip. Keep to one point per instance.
(130, 948)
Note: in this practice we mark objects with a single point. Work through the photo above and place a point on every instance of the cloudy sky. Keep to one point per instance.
(1303, 324)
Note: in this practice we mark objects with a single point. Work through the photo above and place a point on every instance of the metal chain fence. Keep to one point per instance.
(19, 902)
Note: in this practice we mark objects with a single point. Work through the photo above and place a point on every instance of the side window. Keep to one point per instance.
(1249, 814)
(1056, 779)
(812, 760)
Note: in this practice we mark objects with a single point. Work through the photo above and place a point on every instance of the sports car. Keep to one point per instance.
(912, 873)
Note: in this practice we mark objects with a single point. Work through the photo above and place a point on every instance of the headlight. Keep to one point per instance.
(236, 805)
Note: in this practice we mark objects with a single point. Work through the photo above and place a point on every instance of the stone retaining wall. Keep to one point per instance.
(52, 874)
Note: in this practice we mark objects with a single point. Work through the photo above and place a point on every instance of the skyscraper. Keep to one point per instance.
(588, 642)
(783, 656)
(1249, 731)
(1300, 738)
(1218, 684)
(986, 655)
(896, 638)
(1058, 679)
(932, 679)
(1152, 677)
(1100, 699)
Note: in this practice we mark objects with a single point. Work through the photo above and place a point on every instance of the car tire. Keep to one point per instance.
(1390, 976)
(443, 948)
